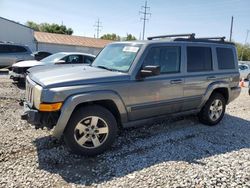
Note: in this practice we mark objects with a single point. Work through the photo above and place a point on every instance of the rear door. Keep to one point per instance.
(161, 94)
(199, 74)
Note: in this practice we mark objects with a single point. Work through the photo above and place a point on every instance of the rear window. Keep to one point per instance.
(12, 49)
(4, 49)
(225, 58)
(199, 59)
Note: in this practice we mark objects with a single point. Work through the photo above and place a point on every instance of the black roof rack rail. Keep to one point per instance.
(212, 38)
(190, 35)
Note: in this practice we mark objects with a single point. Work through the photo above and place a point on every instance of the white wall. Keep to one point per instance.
(53, 48)
(10, 31)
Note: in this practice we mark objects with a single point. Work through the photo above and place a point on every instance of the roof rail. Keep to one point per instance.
(213, 38)
(191, 36)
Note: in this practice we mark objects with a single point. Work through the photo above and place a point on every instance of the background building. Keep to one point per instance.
(11, 31)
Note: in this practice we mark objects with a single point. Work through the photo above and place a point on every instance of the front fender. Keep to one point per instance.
(211, 88)
(72, 101)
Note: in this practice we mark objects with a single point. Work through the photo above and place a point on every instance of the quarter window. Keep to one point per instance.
(168, 58)
(199, 59)
(225, 58)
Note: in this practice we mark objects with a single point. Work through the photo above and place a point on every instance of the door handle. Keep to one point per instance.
(211, 78)
(176, 81)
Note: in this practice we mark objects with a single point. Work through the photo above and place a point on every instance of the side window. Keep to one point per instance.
(74, 59)
(225, 58)
(88, 59)
(199, 59)
(168, 58)
(16, 49)
(4, 49)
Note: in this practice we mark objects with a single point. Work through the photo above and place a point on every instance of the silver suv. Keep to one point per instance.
(11, 53)
(131, 84)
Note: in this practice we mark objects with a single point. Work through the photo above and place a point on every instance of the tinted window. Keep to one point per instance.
(225, 58)
(199, 59)
(168, 58)
(4, 49)
(16, 49)
(88, 59)
(73, 59)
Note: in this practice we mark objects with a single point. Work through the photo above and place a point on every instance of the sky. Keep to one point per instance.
(204, 17)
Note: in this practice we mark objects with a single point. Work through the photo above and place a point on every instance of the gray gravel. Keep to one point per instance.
(179, 152)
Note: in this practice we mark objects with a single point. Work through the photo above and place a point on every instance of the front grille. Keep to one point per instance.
(29, 93)
(19, 70)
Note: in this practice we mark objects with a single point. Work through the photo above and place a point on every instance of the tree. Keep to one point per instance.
(50, 28)
(112, 36)
(246, 51)
(130, 37)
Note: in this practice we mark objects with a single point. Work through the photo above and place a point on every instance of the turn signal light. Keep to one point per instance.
(50, 107)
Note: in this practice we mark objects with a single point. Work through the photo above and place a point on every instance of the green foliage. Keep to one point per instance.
(116, 37)
(111, 37)
(246, 51)
(130, 37)
(50, 28)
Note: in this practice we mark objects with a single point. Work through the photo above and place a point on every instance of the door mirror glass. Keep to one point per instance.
(150, 70)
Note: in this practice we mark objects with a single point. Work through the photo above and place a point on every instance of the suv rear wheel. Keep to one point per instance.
(91, 130)
(214, 109)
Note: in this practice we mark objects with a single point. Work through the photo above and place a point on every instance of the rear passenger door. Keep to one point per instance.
(199, 74)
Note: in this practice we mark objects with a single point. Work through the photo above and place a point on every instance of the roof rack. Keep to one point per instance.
(213, 38)
(191, 36)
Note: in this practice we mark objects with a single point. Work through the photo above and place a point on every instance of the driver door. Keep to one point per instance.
(161, 94)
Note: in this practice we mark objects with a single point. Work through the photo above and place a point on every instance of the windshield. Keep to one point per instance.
(117, 57)
(53, 58)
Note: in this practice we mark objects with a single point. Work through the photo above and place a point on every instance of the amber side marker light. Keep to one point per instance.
(50, 107)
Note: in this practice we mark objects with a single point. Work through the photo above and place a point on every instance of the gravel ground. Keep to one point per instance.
(179, 152)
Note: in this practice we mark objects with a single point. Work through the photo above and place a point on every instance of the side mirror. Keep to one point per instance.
(60, 62)
(150, 70)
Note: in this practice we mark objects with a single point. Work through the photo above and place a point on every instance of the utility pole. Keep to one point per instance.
(231, 29)
(98, 27)
(145, 13)
(242, 53)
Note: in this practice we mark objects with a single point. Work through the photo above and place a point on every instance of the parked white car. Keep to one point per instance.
(244, 70)
(18, 70)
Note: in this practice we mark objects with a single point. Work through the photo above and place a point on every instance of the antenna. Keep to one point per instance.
(145, 12)
(98, 27)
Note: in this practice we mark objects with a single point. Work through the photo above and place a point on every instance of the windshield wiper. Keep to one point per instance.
(106, 68)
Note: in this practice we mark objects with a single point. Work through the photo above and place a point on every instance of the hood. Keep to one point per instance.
(68, 75)
(29, 63)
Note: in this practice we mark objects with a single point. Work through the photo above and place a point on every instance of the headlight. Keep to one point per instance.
(37, 96)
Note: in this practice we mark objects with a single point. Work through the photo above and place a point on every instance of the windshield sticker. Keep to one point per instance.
(132, 49)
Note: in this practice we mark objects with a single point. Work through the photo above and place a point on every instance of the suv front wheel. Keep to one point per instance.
(214, 109)
(90, 130)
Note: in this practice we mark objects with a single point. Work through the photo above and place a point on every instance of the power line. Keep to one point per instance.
(98, 27)
(145, 13)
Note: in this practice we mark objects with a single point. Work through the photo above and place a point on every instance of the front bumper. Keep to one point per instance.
(39, 119)
(16, 76)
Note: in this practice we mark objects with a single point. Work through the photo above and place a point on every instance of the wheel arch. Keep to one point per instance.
(108, 99)
(220, 87)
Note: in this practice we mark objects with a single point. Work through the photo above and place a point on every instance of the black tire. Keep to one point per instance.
(84, 112)
(204, 115)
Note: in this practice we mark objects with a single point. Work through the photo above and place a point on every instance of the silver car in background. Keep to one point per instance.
(19, 70)
(11, 53)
